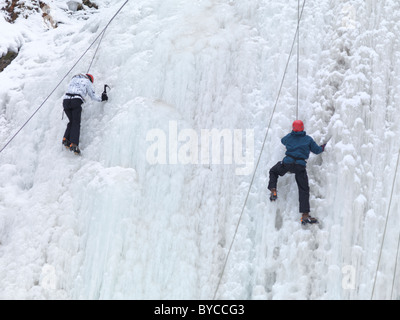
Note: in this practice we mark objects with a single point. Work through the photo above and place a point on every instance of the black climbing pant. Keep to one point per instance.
(73, 110)
(280, 169)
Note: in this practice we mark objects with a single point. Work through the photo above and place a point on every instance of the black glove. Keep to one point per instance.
(323, 147)
(104, 97)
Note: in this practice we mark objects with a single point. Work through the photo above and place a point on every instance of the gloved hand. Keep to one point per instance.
(104, 97)
(323, 147)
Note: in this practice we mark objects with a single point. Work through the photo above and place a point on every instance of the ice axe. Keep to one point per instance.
(104, 96)
(326, 142)
(105, 88)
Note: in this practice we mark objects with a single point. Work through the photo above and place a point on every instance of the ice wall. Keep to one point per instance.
(112, 225)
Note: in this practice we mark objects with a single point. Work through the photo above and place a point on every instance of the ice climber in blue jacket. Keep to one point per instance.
(298, 147)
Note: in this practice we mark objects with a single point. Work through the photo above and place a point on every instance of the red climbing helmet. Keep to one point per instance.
(298, 126)
(90, 77)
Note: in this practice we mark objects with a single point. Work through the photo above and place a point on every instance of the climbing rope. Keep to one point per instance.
(70, 70)
(103, 32)
(261, 152)
(298, 60)
(395, 268)
(384, 232)
(97, 49)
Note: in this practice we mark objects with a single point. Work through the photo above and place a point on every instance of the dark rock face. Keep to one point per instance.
(16, 8)
(7, 59)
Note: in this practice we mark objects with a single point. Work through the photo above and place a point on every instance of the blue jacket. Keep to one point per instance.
(298, 147)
